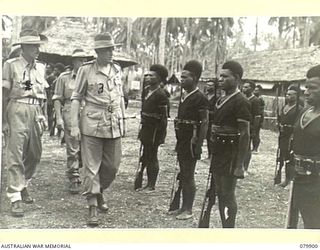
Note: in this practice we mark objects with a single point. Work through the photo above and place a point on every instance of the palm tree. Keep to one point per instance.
(39, 23)
(162, 40)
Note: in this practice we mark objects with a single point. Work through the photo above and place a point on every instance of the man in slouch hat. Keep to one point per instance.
(99, 84)
(24, 117)
(62, 104)
(230, 134)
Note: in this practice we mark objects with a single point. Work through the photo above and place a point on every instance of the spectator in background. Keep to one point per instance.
(256, 139)
(58, 68)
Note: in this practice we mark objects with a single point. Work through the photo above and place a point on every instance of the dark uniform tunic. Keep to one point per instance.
(287, 120)
(306, 148)
(189, 110)
(255, 110)
(225, 132)
(154, 124)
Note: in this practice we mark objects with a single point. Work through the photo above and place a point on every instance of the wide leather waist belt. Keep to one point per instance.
(29, 100)
(151, 115)
(182, 121)
(306, 166)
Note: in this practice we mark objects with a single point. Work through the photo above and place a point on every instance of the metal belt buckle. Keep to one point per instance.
(110, 109)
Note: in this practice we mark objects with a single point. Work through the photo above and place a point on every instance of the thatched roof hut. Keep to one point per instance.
(289, 65)
(68, 34)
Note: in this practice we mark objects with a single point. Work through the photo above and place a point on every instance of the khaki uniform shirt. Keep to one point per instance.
(101, 89)
(17, 71)
(63, 90)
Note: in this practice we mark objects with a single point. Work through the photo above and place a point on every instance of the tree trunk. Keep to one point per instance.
(17, 24)
(306, 37)
(256, 36)
(129, 34)
(162, 41)
(172, 59)
(187, 35)
(225, 31)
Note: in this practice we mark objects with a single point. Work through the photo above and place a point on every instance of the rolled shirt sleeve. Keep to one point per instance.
(81, 85)
(59, 89)
(6, 76)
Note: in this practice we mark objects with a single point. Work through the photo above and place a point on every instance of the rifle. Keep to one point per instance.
(140, 169)
(279, 162)
(175, 196)
(208, 202)
(293, 213)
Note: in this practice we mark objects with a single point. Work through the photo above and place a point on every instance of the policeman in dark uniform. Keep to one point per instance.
(287, 119)
(256, 139)
(306, 149)
(191, 128)
(255, 110)
(230, 134)
(154, 122)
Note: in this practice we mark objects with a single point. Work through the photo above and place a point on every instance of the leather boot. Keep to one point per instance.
(74, 188)
(93, 217)
(102, 205)
(25, 196)
(16, 209)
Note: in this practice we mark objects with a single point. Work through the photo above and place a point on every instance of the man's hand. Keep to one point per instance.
(75, 133)
(239, 171)
(124, 128)
(194, 140)
(60, 124)
(5, 128)
(42, 120)
(197, 151)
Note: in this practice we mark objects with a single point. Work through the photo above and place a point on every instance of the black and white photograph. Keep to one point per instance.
(160, 122)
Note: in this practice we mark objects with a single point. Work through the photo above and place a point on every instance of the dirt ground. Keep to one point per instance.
(260, 203)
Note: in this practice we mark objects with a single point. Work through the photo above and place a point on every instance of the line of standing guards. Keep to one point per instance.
(96, 89)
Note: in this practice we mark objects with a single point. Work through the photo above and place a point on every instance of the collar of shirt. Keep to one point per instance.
(26, 64)
(222, 100)
(189, 94)
(108, 70)
(151, 92)
(73, 74)
(250, 97)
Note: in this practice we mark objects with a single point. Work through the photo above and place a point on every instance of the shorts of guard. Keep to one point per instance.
(224, 154)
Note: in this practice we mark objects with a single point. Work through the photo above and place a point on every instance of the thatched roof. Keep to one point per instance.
(68, 34)
(288, 65)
